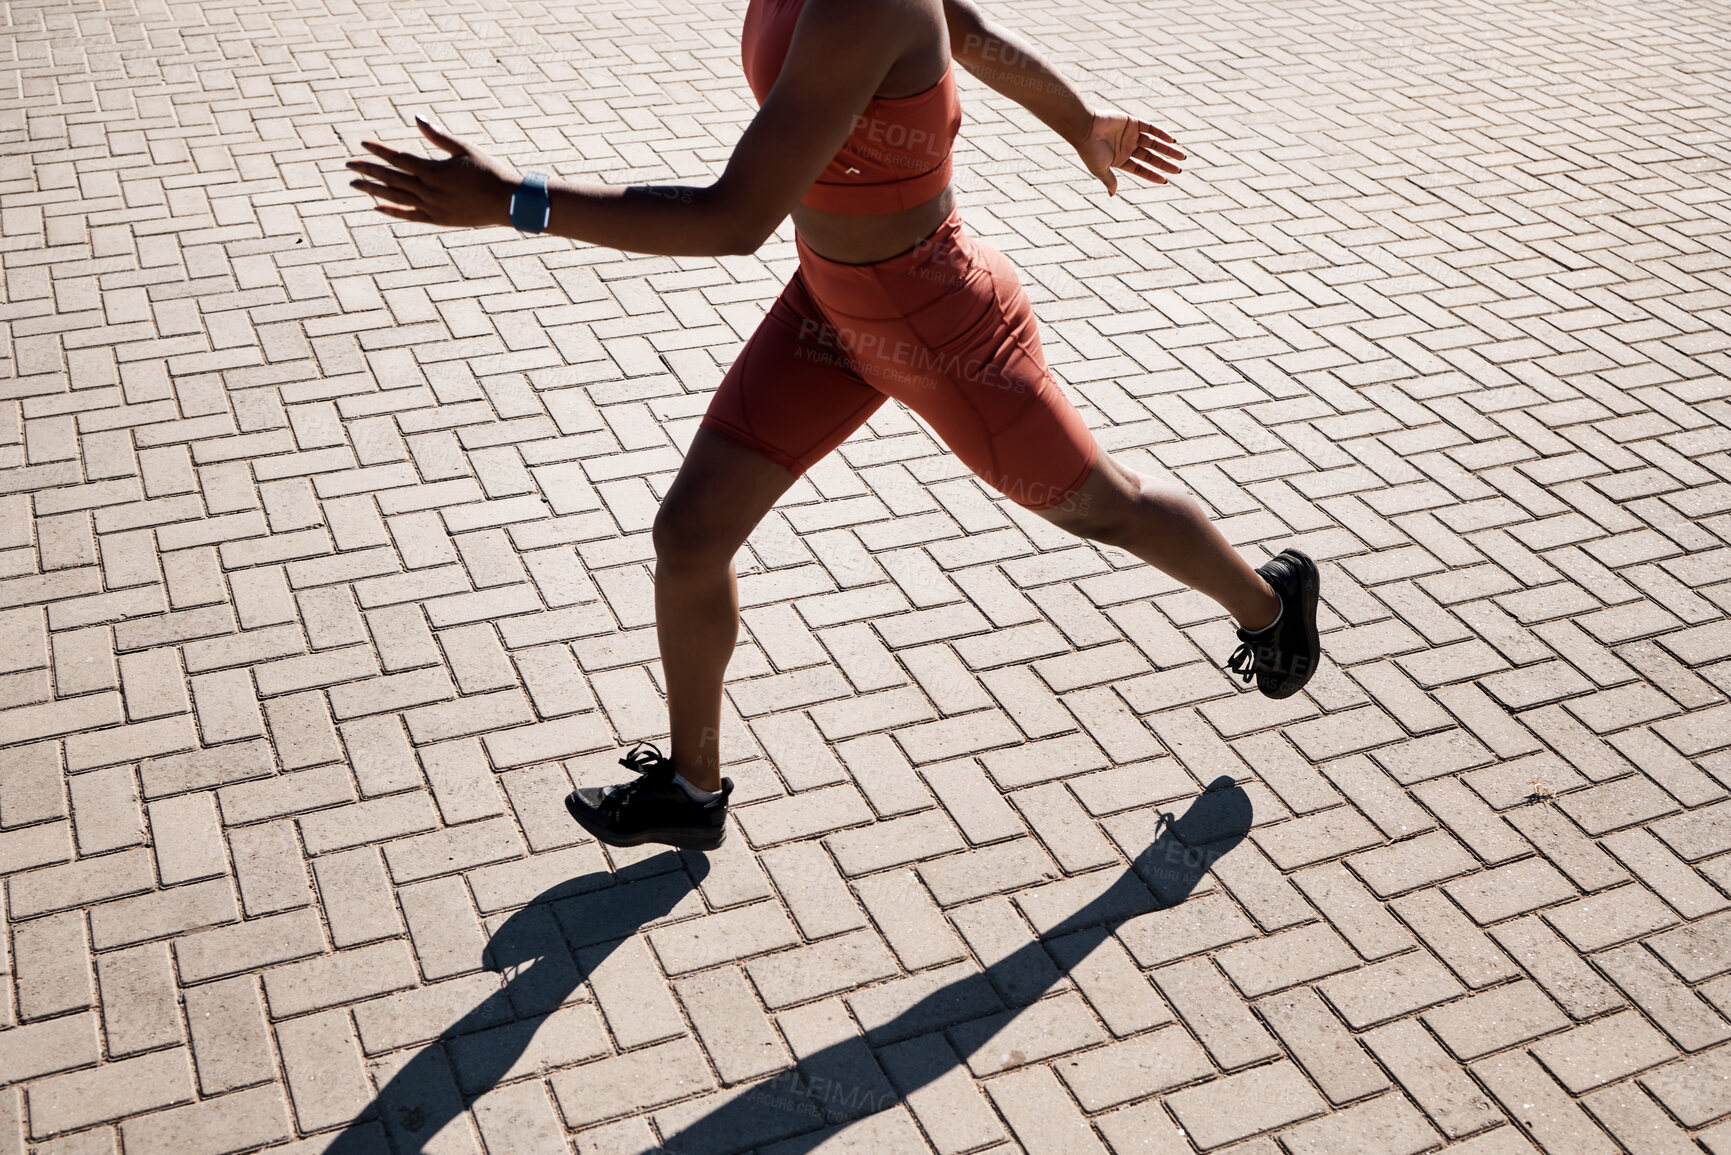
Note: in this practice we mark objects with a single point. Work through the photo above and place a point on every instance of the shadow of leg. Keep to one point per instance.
(844, 1082)
(532, 951)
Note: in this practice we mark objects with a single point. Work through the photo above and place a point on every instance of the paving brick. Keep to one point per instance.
(570, 1035)
(40, 845)
(1415, 862)
(895, 842)
(1133, 1069)
(736, 1034)
(630, 1082)
(1315, 837)
(1040, 1114)
(1001, 941)
(974, 803)
(1498, 1018)
(31, 785)
(842, 1077)
(1570, 851)
(1111, 982)
(53, 1045)
(928, 1001)
(322, 1066)
(1238, 1106)
(329, 980)
(231, 1043)
(724, 937)
(908, 919)
(1435, 1082)
(1509, 890)
(937, 1088)
(186, 835)
(1540, 1106)
(1287, 959)
(230, 1123)
(1475, 959)
(1557, 968)
(227, 950)
(463, 781)
(1673, 1007)
(1386, 1125)
(182, 908)
(1603, 1051)
(445, 851)
(268, 868)
(1389, 989)
(1198, 925)
(884, 775)
(1698, 951)
(1694, 1090)
(356, 897)
(139, 1009)
(1602, 920)
(833, 966)
(1353, 911)
(51, 961)
(1637, 1122)
(203, 769)
(1225, 1025)
(1324, 1048)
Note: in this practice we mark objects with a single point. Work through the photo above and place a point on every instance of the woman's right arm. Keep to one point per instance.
(1010, 65)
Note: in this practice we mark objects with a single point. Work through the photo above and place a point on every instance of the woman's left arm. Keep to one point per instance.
(840, 52)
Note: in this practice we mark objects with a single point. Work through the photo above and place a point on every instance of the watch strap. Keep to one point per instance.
(530, 205)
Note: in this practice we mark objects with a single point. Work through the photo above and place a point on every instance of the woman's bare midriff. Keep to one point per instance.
(865, 240)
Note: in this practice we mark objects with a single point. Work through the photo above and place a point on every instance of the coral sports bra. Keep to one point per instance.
(898, 155)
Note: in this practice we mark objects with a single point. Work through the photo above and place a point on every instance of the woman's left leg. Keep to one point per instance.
(948, 330)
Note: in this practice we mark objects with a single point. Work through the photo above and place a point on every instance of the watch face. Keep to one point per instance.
(530, 205)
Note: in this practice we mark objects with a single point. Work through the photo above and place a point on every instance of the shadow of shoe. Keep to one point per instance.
(532, 951)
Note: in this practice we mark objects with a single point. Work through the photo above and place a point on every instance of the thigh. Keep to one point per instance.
(983, 385)
(792, 394)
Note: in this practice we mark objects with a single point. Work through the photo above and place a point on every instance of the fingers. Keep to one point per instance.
(1137, 168)
(395, 196)
(386, 176)
(1160, 162)
(407, 161)
(440, 137)
(1154, 144)
(1156, 132)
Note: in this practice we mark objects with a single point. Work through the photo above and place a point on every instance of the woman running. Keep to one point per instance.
(857, 115)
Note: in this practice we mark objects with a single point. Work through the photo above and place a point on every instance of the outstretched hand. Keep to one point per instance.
(466, 189)
(1118, 140)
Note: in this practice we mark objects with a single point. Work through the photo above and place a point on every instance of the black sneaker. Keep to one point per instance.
(653, 808)
(1281, 658)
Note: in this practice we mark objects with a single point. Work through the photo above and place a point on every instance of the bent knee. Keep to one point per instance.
(684, 538)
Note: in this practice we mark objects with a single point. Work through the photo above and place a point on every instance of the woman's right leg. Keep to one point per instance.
(720, 494)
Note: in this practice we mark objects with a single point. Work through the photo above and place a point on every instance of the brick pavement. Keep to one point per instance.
(324, 572)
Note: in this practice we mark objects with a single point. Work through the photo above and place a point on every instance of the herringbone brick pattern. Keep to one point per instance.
(325, 571)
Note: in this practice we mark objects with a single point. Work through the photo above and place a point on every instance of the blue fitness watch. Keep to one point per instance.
(530, 205)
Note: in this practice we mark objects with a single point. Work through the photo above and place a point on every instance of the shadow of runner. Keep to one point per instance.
(532, 948)
(843, 1083)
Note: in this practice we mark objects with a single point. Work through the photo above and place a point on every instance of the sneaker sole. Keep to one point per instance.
(682, 839)
(1310, 589)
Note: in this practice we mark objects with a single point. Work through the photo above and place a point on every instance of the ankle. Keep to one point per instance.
(704, 777)
(697, 793)
(1268, 618)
